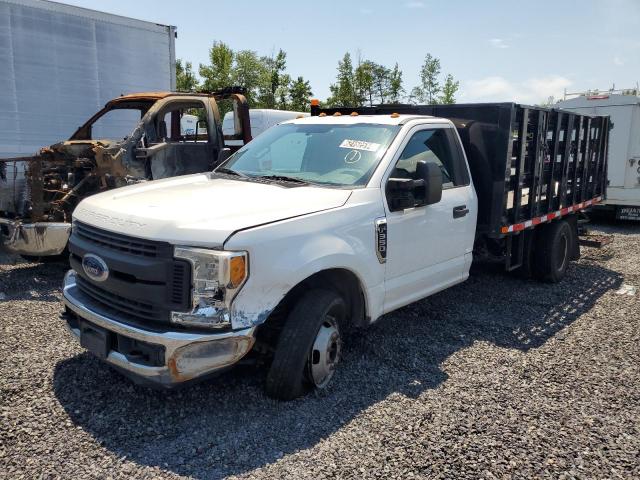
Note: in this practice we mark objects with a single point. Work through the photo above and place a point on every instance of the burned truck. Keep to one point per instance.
(134, 138)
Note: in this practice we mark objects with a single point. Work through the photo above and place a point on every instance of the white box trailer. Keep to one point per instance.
(61, 63)
(623, 107)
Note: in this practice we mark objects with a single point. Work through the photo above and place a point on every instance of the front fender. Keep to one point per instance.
(283, 254)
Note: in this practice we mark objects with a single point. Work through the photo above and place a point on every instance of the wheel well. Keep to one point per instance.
(342, 281)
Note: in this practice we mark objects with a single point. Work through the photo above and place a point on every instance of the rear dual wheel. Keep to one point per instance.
(554, 247)
(309, 346)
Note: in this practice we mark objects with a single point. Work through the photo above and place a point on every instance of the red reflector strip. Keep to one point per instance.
(517, 227)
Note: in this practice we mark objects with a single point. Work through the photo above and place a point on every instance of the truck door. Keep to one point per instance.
(429, 247)
(184, 140)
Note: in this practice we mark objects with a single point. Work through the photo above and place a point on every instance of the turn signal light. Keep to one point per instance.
(237, 271)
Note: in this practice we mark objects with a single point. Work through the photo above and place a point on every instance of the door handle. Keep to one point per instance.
(460, 211)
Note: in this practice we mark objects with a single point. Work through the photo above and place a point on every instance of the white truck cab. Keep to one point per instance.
(318, 225)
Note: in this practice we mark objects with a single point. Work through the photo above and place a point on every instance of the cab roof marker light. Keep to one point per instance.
(315, 102)
(322, 114)
(354, 114)
(395, 115)
(337, 114)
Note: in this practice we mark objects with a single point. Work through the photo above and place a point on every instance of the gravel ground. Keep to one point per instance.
(497, 377)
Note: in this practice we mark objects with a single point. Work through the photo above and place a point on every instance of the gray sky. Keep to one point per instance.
(499, 50)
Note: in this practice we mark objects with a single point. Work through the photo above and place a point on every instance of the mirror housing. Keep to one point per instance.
(432, 176)
(425, 189)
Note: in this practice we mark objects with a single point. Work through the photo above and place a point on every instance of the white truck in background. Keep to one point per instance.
(623, 107)
(323, 224)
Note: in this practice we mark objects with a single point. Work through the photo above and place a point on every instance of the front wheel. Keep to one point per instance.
(309, 346)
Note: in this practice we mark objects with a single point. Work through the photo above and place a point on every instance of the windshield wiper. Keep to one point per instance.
(230, 172)
(283, 178)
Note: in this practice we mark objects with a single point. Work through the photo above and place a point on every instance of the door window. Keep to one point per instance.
(432, 146)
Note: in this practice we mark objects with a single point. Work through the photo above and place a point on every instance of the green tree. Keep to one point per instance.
(220, 71)
(283, 92)
(186, 80)
(363, 83)
(429, 87)
(343, 92)
(274, 80)
(449, 90)
(396, 89)
(381, 82)
(248, 72)
(300, 95)
(264, 79)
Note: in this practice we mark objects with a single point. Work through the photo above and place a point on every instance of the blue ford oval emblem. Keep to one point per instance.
(95, 268)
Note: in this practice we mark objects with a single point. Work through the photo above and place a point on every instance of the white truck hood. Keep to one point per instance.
(201, 210)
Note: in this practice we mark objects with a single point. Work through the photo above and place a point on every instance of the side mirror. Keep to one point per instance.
(425, 189)
(432, 176)
(400, 193)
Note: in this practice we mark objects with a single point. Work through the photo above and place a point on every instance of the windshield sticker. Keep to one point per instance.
(359, 145)
(352, 157)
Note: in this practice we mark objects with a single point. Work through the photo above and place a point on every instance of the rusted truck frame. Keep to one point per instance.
(38, 194)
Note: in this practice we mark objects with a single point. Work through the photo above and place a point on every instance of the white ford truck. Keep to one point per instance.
(319, 225)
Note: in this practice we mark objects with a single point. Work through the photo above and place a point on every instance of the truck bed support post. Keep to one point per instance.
(551, 190)
(538, 162)
(568, 132)
(522, 152)
(576, 161)
(595, 182)
(587, 161)
(515, 251)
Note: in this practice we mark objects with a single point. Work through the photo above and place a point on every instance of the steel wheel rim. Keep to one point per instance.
(325, 353)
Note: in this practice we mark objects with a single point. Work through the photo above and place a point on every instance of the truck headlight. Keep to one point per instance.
(216, 278)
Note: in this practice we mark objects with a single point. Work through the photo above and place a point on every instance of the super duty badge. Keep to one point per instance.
(381, 239)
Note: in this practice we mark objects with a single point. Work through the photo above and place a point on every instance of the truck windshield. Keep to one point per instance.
(328, 154)
(115, 124)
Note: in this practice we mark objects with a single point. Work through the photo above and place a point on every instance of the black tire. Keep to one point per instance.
(572, 220)
(289, 376)
(553, 251)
